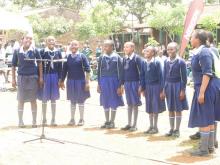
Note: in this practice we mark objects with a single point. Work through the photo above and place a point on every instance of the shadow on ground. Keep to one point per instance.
(185, 157)
(153, 138)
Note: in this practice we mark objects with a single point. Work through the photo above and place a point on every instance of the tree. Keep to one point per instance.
(152, 42)
(2, 3)
(72, 4)
(85, 29)
(102, 20)
(22, 3)
(169, 20)
(106, 20)
(210, 22)
(212, 1)
(140, 8)
(55, 26)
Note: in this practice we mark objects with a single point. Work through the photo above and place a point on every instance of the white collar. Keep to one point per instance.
(21, 50)
(111, 55)
(130, 57)
(168, 59)
(48, 50)
(70, 53)
(162, 57)
(197, 50)
(152, 60)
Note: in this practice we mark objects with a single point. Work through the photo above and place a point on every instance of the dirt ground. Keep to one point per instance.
(90, 144)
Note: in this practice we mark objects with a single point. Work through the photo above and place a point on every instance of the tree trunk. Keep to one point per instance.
(140, 19)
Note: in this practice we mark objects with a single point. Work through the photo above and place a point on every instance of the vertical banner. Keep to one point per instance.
(195, 10)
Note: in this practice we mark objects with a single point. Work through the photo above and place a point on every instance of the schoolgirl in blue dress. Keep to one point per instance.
(29, 77)
(175, 78)
(152, 86)
(203, 104)
(131, 80)
(52, 77)
(77, 70)
(215, 52)
(110, 82)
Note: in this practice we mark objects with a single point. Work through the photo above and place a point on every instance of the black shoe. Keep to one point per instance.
(170, 133)
(71, 122)
(212, 150)
(198, 152)
(176, 133)
(53, 123)
(44, 123)
(111, 125)
(216, 144)
(21, 125)
(81, 122)
(133, 129)
(154, 131)
(34, 125)
(195, 136)
(126, 128)
(105, 125)
(148, 131)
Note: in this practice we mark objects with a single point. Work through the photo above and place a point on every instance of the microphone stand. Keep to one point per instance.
(42, 136)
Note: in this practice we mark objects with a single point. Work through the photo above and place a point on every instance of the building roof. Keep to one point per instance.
(210, 9)
(54, 11)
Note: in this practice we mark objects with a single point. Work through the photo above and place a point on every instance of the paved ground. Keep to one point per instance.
(89, 144)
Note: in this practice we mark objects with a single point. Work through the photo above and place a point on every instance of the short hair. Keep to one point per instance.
(74, 41)
(130, 44)
(173, 44)
(50, 38)
(109, 42)
(210, 37)
(153, 49)
(27, 35)
(201, 35)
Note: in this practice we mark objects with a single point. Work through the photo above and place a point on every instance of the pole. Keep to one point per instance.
(132, 26)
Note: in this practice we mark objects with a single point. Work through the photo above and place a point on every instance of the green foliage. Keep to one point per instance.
(2, 3)
(105, 19)
(152, 42)
(172, 3)
(72, 4)
(85, 30)
(50, 26)
(212, 1)
(102, 20)
(22, 3)
(169, 20)
(140, 8)
(218, 46)
(210, 22)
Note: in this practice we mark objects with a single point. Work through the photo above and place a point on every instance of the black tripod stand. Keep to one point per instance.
(42, 136)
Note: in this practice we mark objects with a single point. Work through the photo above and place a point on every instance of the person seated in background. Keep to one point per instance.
(87, 51)
(98, 50)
